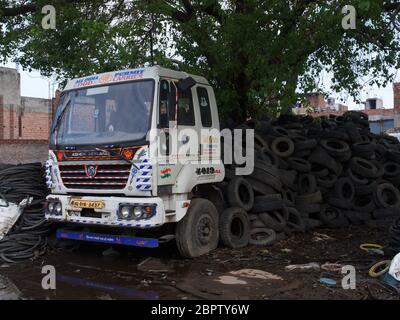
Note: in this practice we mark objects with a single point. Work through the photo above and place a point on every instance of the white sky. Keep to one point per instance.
(34, 85)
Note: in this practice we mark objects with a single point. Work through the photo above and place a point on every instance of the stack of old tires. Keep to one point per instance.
(330, 171)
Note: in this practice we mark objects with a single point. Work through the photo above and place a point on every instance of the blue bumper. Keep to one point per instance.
(107, 238)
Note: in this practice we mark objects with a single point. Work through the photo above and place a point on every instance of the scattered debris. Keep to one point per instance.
(312, 266)
(321, 237)
(332, 267)
(230, 280)
(394, 269)
(257, 274)
(327, 281)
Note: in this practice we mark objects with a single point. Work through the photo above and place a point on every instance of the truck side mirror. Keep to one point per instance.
(186, 84)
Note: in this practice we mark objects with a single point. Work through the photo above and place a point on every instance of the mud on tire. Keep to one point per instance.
(197, 233)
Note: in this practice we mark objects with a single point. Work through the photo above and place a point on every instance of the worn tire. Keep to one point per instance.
(260, 240)
(240, 194)
(387, 196)
(234, 228)
(283, 147)
(273, 220)
(198, 233)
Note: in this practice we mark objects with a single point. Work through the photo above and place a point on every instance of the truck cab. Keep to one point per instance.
(128, 152)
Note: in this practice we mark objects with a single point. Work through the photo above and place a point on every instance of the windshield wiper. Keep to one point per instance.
(61, 116)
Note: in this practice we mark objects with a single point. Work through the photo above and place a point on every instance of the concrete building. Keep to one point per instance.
(317, 102)
(381, 119)
(24, 122)
(21, 118)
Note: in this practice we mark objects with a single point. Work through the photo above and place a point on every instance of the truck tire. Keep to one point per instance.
(234, 228)
(240, 194)
(197, 233)
(262, 236)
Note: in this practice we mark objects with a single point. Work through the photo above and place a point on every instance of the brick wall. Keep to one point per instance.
(22, 151)
(396, 104)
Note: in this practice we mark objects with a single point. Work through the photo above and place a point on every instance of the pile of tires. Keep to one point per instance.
(329, 171)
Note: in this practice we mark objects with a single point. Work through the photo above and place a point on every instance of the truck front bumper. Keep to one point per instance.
(108, 214)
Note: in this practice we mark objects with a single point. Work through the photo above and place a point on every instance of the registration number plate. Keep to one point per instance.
(87, 204)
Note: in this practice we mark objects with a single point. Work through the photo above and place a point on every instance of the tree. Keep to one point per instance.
(259, 55)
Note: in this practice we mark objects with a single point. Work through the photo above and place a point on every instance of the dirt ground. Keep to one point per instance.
(91, 271)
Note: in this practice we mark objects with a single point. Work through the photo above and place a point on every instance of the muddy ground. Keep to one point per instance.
(92, 271)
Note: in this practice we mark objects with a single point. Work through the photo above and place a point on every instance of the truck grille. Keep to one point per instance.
(106, 176)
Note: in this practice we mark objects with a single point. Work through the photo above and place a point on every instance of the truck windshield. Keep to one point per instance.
(103, 115)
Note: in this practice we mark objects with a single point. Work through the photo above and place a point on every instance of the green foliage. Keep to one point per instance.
(259, 55)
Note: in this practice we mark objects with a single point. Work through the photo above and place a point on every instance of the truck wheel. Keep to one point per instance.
(234, 228)
(197, 233)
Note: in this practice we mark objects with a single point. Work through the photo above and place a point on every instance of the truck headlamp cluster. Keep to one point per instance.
(136, 212)
(54, 207)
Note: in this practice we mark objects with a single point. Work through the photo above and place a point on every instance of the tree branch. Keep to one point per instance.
(16, 11)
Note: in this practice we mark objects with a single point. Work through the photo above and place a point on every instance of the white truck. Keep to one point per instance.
(111, 183)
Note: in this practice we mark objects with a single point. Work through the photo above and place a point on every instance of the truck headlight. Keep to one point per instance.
(50, 206)
(137, 212)
(58, 208)
(54, 207)
(125, 212)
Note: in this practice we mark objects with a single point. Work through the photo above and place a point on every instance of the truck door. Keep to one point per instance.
(177, 119)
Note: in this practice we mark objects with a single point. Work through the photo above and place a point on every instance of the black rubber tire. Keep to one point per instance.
(295, 221)
(234, 228)
(364, 203)
(353, 216)
(318, 171)
(273, 220)
(299, 165)
(362, 190)
(327, 181)
(202, 216)
(332, 217)
(391, 169)
(267, 178)
(315, 197)
(344, 189)
(283, 147)
(306, 144)
(267, 205)
(337, 148)
(311, 223)
(268, 238)
(357, 180)
(306, 184)
(384, 213)
(270, 157)
(387, 196)
(268, 198)
(321, 157)
(363, 167)
(240, 194)
(260, 187)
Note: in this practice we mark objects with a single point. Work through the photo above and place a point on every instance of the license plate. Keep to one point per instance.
(87, 204)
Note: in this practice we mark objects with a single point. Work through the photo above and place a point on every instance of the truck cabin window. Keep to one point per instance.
(104, 115)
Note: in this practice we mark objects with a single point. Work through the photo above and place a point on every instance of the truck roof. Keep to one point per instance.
(129, 75)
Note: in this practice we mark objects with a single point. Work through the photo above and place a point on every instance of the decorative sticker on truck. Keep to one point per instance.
(111, 77)
(166, 173)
